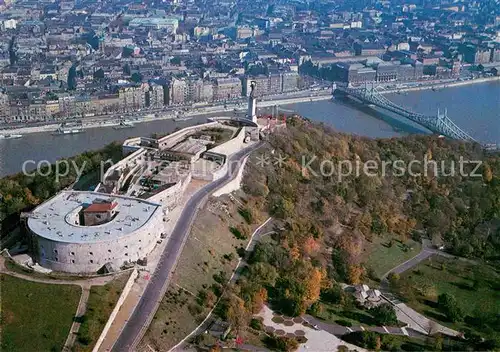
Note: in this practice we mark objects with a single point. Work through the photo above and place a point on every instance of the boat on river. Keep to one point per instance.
(124, 124)
(10, 136)
(67, 129)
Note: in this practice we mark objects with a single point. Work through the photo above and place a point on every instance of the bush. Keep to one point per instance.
(384, 314)
(246, 214)
(240, 232)
(344, 322)
(315, 309)
(256, 324)
(449, 306)
(195, 309)
(221, 277)
(332, 294)
(393, 279)
(84, 339)
(229, 257)
(278, 343)
(241, 252)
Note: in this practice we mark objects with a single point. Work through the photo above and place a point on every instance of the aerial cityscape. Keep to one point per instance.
(285, 175)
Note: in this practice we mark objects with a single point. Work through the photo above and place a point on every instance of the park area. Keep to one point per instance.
(36, 316)
(474, 286)
(384, 254)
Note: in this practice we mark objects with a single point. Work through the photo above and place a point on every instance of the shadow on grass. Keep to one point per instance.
(430, 303)
(357, 316)
(436, 316)
(463, 286)
(412, 346)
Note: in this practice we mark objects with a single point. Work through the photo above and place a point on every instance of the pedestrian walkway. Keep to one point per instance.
(311, 338)
(405, 314)
(75, 327)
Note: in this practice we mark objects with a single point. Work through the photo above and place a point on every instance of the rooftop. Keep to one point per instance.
(190, 146)
(54, 219)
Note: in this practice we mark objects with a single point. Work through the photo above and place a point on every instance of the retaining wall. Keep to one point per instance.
(121, 299)
(174, 138)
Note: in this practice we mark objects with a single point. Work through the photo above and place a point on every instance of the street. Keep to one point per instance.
(146, 309)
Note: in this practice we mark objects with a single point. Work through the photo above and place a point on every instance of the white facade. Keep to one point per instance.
(60, 243)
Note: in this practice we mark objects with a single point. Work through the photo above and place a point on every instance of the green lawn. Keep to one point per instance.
(476, 288)
(382, 257)
(336, 314)
(102, 301)
(36, 316)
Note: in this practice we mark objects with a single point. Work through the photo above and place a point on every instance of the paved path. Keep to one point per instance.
(318, 340)
(404, 313)
(75, 327)
(82, 282)
(339, 330)
(155, 290)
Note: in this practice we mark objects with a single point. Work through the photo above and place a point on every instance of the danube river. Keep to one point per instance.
(475, 108)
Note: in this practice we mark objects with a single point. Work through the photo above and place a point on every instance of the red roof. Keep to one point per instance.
(100, 207)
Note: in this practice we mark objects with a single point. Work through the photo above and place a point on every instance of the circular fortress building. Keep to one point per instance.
(85, 232)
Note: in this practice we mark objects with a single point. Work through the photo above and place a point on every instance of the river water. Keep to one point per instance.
(475, 108)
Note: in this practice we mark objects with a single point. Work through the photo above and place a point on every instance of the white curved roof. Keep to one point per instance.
(49, 220)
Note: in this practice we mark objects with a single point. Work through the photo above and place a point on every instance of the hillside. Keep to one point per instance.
(331, 216)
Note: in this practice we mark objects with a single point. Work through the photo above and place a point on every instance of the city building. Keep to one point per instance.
(155, 96)
(170, 23)
(227, 89)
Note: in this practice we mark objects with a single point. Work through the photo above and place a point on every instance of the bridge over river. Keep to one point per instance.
(440, 124)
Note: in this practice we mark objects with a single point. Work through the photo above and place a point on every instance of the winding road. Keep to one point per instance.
(155, 290)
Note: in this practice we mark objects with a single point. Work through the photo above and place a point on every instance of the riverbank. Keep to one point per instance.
(236, 108)
(441, 85)
(196, 112)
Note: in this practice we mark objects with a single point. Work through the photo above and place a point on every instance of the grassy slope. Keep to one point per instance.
(382, 258)
(455, 277)
(36, 316)
(102, 301)
(202, 257)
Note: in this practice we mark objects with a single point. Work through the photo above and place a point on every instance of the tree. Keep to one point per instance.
(487, 173)
(176, 60)
(310, 246)
(393, 279)
(258, 300)
(136, 77)
(313, 286)
(449, 307)
(438, 342)
(384, 314)
(99, 74)
(262, 273)
(332, 294)
(235, 312)
(278, 343)
(126, 69)
(356, 273)
(72, 78)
